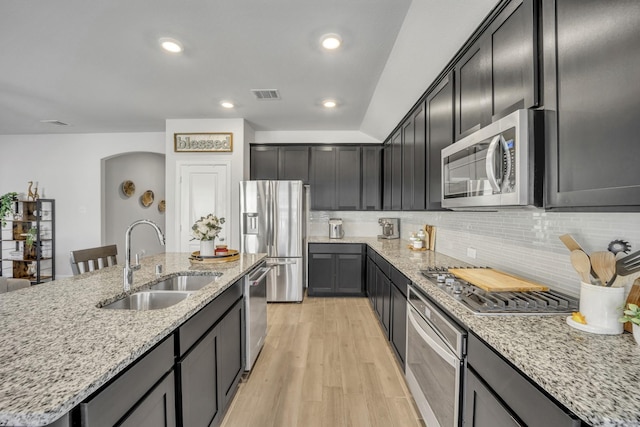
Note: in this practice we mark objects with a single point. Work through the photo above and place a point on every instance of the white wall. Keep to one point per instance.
(410, 69)
(521, 242)
(147, 172)
(68, 169)
(236, 159)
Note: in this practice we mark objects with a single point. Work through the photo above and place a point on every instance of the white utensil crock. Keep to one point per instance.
(636, 332)
(602, 307)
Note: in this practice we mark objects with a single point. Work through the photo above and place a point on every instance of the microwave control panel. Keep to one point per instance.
(509, 158)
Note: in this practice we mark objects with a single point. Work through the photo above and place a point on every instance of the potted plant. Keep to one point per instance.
(632, 314)
(30, 252)
(6, 205)
(206, 229)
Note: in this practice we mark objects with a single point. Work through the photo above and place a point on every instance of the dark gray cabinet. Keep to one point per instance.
(210, 362)
(396, 170)
(348, 178)
(591, 93)
(398, 305)
(383, 300)
(335, 178)
(398, 327)
(439, 134)
(371, 178)
(279, 162)
(263, 162)
(496, 394)
(413, 160)
(323, 178)
(336, 269)
(387, 166)
(498, 73)
(293, 163)
(143, 393)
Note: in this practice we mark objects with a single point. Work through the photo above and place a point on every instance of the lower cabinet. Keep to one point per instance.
(143, 395)
(497, 395)
(336, 269)
(194, 392)
(210, 362)
(398, 331)
(387, 292)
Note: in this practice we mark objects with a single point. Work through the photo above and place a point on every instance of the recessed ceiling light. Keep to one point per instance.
(171, 45)
(331, 41)
(227, 104)
(329, 103)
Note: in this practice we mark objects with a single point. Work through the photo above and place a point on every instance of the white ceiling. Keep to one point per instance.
(96, 64)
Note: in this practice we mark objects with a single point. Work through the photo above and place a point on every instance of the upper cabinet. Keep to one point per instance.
(396, 170)
(280, 162)
(371, 173)
(439, 134)
(413, 160)
(335, 178)
(498, 72)
(264, 162)
(591, 93)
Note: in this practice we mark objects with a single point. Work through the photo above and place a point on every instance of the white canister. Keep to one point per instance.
(601, 307)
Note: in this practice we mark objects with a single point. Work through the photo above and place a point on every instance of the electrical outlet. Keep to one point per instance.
(471, 253)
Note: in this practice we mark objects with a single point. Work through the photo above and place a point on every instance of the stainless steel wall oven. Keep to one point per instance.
(436, 349)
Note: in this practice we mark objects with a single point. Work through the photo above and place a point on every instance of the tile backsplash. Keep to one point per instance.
(522, 242)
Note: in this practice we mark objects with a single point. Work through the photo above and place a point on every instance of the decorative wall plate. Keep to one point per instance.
(128, 188)
(162, 206)
(147, 198)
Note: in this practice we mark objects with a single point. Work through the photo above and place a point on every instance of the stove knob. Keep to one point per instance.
(449, 281)
(457, 288)
(441, 278)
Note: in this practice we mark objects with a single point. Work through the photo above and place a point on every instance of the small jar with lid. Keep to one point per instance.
(221, 250)
(416, 242)
(422, 236)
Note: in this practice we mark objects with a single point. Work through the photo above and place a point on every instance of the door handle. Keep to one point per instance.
(265, 271)
(490, 163)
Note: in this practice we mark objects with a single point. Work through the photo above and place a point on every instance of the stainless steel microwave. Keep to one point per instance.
(500, 165)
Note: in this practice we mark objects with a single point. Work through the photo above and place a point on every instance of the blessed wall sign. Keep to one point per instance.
(203, 142)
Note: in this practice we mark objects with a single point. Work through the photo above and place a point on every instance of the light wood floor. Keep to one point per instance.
(325, 362)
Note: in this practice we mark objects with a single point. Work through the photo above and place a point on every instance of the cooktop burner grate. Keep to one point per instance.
(483, 302)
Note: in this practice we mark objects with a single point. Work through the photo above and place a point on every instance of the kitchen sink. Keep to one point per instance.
(185, 282)
(149, 300)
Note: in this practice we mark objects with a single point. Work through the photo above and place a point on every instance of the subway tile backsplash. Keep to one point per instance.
(522, 242)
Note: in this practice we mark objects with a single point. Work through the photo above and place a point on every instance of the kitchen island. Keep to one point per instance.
(593, 376)
(59, 346)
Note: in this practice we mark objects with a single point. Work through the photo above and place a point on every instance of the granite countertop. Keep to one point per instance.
(58, 347)
(594, 376)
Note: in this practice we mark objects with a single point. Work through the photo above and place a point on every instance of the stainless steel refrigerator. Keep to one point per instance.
(273, 219)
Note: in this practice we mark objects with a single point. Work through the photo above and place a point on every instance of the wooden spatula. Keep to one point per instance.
(604, 264)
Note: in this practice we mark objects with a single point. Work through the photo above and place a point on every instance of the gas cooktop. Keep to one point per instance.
(483, 302)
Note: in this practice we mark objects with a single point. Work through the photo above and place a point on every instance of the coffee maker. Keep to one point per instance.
(390, 228)
(335, 228)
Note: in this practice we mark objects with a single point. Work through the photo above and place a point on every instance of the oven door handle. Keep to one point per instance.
(442, 351)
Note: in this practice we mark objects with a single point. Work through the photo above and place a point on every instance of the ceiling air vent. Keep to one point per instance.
(54, 122)
(266, 94)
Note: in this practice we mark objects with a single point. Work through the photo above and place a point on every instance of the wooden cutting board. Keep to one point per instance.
(496, 281)
(633, 298)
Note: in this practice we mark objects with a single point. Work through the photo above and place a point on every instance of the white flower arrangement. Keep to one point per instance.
(207, 227)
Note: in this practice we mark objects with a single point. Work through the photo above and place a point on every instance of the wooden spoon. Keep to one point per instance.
(604, 264)
(581, 263)
(572, 245)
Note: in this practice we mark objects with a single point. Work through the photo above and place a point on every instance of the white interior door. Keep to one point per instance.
(204, 189)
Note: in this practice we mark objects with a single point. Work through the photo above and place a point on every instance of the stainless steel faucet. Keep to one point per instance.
(128, 268)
